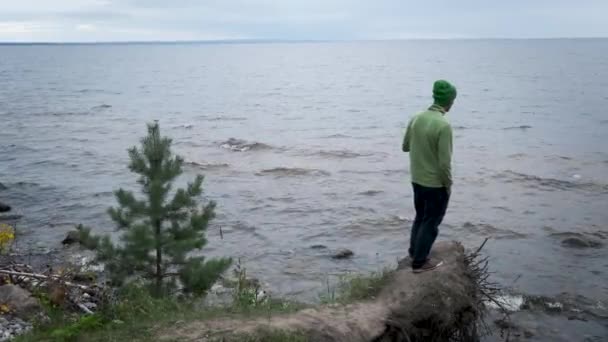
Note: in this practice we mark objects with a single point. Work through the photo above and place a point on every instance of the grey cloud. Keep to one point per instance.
(105, 15)
(327, 19)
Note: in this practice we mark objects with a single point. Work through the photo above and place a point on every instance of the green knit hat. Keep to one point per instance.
(443, 93)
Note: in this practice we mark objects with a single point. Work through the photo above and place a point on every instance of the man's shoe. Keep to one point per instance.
(429, 265)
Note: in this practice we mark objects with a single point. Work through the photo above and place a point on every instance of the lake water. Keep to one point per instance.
(300, 146)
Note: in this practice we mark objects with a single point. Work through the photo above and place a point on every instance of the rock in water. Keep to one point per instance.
(505, 324)
(581, 242)
(4, 207)
(343, 254)
(19, 301)
(72, 238)
(318, 247)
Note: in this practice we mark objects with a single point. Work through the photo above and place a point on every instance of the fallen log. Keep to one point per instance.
(445, 304)
(45, 277)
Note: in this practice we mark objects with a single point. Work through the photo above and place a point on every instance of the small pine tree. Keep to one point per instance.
(160, 233)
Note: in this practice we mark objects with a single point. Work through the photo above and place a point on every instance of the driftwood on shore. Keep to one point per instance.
(59, 288)
(441, 305)
(45, 277)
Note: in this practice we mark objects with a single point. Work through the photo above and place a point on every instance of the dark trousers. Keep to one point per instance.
(431, 204)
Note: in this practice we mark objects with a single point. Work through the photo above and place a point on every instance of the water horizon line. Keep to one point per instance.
(285, 41)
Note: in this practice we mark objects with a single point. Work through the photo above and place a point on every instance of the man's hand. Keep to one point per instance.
(448, 189)
(405, 147)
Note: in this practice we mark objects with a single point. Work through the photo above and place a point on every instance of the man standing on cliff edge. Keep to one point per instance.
(428, 140)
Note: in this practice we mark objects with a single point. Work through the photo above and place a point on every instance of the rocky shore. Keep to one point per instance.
(11, 327)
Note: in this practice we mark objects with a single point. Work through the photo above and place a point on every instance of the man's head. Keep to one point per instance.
(444, 94)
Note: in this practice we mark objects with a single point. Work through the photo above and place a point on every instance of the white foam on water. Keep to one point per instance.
(185, 125)
(510, 303)
(556, 305)
(89, 265)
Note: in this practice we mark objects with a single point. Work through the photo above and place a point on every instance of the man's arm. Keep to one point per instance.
(444, 155)
(406, 139)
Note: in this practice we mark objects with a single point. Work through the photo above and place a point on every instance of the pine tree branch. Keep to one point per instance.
(160, 232)
(196, 188)
(138, 162)
(126, 199)
(172, 168)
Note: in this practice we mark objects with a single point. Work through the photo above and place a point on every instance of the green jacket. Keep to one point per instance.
(428, 139)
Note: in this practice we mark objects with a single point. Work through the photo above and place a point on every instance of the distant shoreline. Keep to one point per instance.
(287, 41)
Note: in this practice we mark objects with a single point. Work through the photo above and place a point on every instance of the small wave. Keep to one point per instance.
(293, 118)
(517, 156)
(318, 247)
(360, 209)
(370, 226)
(292, 172)
(366, 127)
(97, 91)
(341, 154)
(272, 94)
(244, 228)
(13, 148)
(488, 230)
(239, 145)
(61, 114)
(46, 162)
(459, 128)
(10, 217)
(336, 136)
(376, 172)
(7, 159)
(502, 208)
(305, 210)
(186, 126)
(550, 184)
(101, 107)
(207, 166)
(25, 185)
(225, 118)
(282, 199)
(599, 233)
(321, 235)
(522, 127)
(103, 194)
(259, 207)
(557, 157)
(370, 193)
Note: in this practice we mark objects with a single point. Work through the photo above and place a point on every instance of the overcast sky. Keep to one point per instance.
(143, 20)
